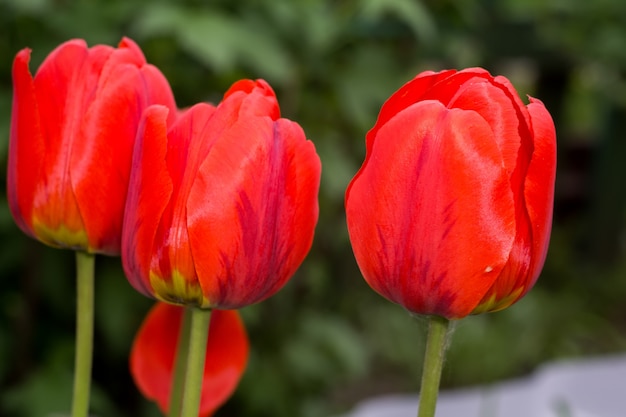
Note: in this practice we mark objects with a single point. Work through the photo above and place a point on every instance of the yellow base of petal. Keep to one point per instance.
(178, 290)
(61, 237)
(492, 304)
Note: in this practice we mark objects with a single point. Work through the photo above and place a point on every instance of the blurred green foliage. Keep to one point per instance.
(326, 340)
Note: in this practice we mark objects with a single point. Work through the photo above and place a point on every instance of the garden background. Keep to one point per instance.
(327, 340)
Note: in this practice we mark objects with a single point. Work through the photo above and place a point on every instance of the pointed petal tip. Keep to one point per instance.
(24, 54)
(158, 111)
(248, 85)
(21, 67)
(128, 43)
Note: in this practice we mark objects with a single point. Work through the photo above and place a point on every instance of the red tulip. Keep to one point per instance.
(451, 212)
(152, 356)
(222, 204)
(72, 132)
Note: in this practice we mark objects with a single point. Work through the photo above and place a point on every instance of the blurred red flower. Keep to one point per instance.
(153, 353)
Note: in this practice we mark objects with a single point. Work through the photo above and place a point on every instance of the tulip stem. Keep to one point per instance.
(198, 337)
(182, 350)
(436, 343)
(84, 333)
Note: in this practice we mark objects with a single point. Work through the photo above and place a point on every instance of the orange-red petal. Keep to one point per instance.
(539, 185)
(410, 93)
(26, 145)
(104, 142)
(150, 188)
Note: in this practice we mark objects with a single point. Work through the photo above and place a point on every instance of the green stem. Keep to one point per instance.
(198, 337)
(84, 333)
(182, 349)
(438, 331)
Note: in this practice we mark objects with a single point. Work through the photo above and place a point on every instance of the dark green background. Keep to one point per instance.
(326, 340)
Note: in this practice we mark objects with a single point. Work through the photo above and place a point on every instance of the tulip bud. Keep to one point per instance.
(73, 128)
(222, 204)
(450, 213)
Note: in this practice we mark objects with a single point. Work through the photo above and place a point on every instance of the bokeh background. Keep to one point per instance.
(326, 340)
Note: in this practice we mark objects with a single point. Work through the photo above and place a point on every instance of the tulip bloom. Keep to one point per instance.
(153, 353)
(222, 204)
(450, 213)
(73, 128)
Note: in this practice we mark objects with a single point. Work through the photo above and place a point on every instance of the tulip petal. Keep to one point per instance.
(226, 359)
(153, 353)
(174, 277)
(440, 214)
(507, 116)
(408, 94)
(26, 147)
(150, 188)
(252, 210)
(59, 94)
(158, 91)
(104, 141)
(255, 98)
(130, 46)
(447, 88)
(539, 186)
(103, 149)
(534, 214)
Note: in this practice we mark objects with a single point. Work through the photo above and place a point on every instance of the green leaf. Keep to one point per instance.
(326, 348)
(411, 12)
(219, 40)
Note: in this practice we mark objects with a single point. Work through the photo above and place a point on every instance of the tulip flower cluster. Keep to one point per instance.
(215, 206)
(212, 207)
